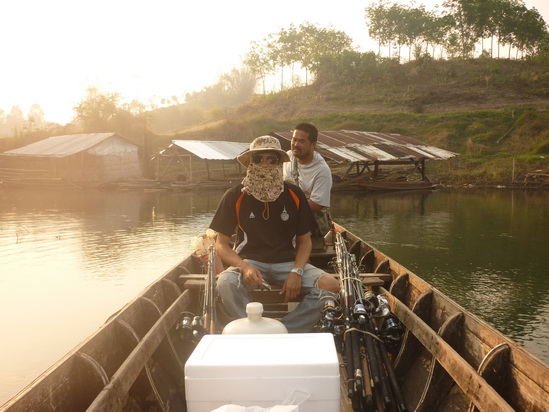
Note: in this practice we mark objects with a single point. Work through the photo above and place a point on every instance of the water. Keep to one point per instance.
(484, 249)
(70, 259)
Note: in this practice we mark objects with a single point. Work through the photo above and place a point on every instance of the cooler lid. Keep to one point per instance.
(272, 355)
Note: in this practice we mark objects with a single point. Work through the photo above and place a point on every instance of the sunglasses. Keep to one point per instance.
(271, 159)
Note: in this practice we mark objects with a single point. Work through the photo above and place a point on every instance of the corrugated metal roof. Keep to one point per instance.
(353, 146)
(61, 146)
(212, 150)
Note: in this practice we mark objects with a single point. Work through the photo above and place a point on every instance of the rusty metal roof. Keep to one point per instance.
(61, 146)
(353, 146)
(211, 150)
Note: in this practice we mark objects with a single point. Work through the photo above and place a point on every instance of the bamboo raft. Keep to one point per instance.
(448, 359)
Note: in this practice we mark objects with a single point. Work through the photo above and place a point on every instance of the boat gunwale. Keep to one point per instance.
(520, 359)
(32, 392)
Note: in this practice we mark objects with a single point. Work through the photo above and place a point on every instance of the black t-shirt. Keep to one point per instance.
(265, 230)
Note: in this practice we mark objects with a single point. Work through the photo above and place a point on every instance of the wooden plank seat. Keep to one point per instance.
(194, 281)
(273, 302)
(375, 279)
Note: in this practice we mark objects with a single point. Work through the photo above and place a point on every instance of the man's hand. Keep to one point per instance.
(291, 287)
(251, 275)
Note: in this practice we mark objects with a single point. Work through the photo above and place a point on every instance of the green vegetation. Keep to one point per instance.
(458, 27)
(494, 113)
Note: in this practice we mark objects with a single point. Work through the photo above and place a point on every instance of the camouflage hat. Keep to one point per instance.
(263, 144)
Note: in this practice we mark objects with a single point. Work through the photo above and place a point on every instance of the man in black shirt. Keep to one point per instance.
(269, 216)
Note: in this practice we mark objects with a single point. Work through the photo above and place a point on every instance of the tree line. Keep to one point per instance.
(306, 45)
(16, 123)
(455, 30)
(459, 27)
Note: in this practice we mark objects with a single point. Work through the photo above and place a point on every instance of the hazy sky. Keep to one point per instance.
(53, 50)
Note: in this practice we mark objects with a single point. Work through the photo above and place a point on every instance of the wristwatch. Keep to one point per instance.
(298, 271)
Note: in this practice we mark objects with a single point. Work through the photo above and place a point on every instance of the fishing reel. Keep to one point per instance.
(391, 332)
(391, 329)
(191, 327)
(360, 314)
(330, 322)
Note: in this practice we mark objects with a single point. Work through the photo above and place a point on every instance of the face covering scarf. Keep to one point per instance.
(264, 183)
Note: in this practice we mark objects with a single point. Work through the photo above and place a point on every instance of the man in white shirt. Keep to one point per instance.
(308, 170)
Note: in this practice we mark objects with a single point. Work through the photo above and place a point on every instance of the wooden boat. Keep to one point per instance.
(448, 359)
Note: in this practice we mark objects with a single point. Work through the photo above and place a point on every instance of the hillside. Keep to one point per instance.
(495, 113)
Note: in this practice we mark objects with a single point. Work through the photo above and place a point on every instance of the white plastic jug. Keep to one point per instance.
(255, 323)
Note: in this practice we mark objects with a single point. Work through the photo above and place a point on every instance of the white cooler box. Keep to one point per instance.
(263, 370)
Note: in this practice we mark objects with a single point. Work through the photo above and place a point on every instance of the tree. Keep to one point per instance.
(98, 111)
(105, 112)
(379, 27)
(290, 47)
(36, 116)
(306, 46)
(414, 28)
(319, 43)
(15, 121)
(436, 31)
(238, 85)
(258, 61)
(531, 30)
(462, 41)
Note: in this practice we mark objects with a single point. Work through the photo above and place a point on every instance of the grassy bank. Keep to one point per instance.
(498, 147)
(493, 112)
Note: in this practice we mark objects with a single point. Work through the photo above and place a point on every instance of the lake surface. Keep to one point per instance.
(68, 260)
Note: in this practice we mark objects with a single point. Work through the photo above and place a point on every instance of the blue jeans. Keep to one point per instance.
(234, 293)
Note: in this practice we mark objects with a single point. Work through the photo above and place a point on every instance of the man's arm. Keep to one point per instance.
(250, 274)
(292, 286)
(315, 207)
(321, 190)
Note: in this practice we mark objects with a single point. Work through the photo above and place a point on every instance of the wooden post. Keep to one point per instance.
(208, 169)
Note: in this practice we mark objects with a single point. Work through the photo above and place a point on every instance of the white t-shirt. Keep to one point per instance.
(315, 178)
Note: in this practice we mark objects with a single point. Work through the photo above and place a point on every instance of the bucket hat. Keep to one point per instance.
(263, 144)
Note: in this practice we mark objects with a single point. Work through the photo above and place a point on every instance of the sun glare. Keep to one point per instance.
(145, 50)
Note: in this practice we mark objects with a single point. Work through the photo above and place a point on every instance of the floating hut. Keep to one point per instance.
(374, 161)
(78, 159)
(220, 167)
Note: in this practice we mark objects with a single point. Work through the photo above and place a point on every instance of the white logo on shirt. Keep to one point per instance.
(252, 216)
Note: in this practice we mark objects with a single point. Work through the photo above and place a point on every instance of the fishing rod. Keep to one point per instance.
(371, 382)
(210, 315)
(193, 327)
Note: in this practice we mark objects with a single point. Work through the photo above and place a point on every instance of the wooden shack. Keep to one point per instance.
(79, 159)
(374, 161)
